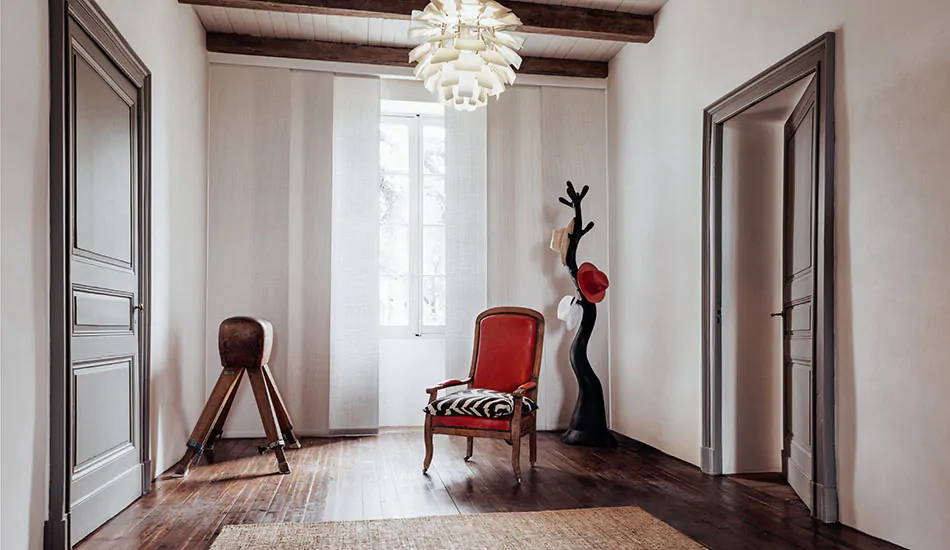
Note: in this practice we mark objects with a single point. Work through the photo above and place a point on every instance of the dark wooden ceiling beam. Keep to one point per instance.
(377, 55)
(537, 18)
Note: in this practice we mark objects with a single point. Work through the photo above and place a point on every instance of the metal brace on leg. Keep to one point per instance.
(262, 449)
(291, 437)
(199, 450)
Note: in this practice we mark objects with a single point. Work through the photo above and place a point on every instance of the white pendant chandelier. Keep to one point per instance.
(468, 50)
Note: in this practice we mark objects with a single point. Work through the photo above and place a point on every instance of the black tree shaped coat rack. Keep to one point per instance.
(588, 425)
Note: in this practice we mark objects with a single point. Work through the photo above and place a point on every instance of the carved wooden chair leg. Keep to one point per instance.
(283, 417)
(223, 388)
(533, 446)
(516, 446)
(222, 417)
(428, 438)
(469, 448)
(275, 442)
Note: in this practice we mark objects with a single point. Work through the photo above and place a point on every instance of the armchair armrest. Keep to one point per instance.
(524, 388)
(447, 384)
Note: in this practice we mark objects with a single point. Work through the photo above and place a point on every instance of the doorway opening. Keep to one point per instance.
(763, 401)
(768, 256)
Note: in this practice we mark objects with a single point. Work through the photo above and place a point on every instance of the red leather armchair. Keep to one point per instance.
(506, 358)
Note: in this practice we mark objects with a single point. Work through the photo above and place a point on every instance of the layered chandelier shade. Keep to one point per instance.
(468, 52)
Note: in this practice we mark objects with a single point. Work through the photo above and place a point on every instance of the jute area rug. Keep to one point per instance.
(591, 528)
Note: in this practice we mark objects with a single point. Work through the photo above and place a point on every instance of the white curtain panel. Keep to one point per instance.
(538, 138)
(574, 140)
(354, 300)
(466, 234)
(247, 212)
(309, 229)
(291, 151)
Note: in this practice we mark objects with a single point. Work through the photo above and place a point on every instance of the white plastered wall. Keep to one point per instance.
(170, 40)
(892, 233)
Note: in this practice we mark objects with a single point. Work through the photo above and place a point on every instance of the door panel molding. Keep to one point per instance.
(84, 457)
(816, 58)
(101, 45)
(102, 311)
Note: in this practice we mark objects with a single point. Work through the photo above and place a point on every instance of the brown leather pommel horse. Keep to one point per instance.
(244, 344)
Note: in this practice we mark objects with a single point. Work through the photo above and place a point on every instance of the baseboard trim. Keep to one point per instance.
(826, 503)
(56, 534)
(709, 461)
(147, 477)
(341, 432)
(355, 432)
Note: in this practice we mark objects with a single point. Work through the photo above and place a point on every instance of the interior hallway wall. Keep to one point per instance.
(892, 237)
(170, 40)
(24, 272)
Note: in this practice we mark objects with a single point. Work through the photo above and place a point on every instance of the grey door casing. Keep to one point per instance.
(100, 155)
(816, 58)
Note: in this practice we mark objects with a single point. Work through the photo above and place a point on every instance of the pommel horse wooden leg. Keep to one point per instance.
(283, 417)
(275, 440)
(222, 418)
(223, 392)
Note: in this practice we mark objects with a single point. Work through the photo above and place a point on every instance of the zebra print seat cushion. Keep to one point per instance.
(478, 402)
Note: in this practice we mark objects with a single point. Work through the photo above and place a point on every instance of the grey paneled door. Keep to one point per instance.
(103, 173)
(801, 169)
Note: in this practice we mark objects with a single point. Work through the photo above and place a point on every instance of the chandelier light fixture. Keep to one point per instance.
(468, 51)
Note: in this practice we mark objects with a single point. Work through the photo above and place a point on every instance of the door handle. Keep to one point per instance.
(778, 314)
(139, 307)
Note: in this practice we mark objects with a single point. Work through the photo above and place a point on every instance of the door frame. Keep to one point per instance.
(91, 18)
(816, 58)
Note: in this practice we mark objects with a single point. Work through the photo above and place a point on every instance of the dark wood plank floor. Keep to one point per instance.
(380, 477)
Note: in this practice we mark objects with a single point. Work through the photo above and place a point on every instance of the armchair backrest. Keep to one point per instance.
(508, 345)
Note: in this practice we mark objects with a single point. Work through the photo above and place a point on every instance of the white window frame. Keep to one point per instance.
(415, 123)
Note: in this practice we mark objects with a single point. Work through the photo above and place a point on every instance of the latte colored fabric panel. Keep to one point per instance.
(269, 230)
(354, 279)
(248, 183)
(538, 138)
(466, 238)
(311, 173)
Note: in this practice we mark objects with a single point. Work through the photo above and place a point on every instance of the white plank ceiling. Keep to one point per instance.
(388, 32)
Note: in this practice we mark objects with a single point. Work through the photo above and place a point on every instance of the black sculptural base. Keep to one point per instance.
(588, 425)
(581, 438)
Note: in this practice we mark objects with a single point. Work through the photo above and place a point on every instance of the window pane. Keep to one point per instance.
(433, 149)
(433, 300)
(433, 200)
(393, 301)
(394, 147)
(394, 250)
(393, 199)
(433, 250)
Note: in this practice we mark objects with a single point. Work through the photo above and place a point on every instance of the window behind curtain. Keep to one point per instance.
(412, 287)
